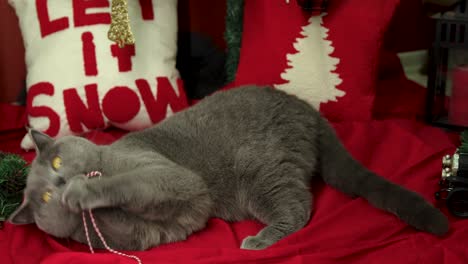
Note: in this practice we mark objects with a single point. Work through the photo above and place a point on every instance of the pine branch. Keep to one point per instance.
(464, 142)
(233, 36)
(13, 171)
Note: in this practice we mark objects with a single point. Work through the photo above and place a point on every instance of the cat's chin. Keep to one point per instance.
(56, 231)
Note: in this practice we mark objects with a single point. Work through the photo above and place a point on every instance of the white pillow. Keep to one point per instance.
(79, 80)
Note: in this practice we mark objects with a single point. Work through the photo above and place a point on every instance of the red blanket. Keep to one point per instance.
(342, 230)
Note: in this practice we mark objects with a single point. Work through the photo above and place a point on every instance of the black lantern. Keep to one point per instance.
(447, 103)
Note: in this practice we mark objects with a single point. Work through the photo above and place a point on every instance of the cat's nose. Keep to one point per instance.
(60, 181)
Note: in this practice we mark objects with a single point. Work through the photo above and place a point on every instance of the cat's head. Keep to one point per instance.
(55, 163)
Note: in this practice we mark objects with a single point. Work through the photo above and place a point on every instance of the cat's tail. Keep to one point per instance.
(341, 171)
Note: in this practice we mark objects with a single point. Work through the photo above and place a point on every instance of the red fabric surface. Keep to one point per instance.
(342, 230)
(356, 31)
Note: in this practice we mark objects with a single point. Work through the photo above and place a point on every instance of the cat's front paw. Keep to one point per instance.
(76, 194)
(255, 243)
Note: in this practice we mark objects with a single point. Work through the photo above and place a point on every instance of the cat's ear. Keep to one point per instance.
(40, 139)
(23, 215)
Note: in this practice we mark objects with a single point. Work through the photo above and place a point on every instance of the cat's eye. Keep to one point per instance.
(46, 196)
(57, 163)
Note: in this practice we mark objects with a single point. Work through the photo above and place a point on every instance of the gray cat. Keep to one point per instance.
(245, 153)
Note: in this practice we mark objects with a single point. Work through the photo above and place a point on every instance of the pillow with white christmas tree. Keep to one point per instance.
(329, 60)
(78, 80)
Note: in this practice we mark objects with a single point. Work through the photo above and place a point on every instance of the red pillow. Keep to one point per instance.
(329, 60)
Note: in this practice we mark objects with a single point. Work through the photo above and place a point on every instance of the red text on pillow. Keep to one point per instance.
(117, 97)
(82, 16)
(43, 88)
(157, 106)
(124, 56)
(147, 9)
(89, 54)
(89, 113)
(49, 26)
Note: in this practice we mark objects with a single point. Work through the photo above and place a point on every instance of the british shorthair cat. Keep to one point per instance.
(247, 153)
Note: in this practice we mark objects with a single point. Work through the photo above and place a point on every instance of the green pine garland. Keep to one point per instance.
(464, 141)
(13, 171)
(233, 36)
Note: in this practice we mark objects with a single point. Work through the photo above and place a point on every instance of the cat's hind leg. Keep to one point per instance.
(284, 208)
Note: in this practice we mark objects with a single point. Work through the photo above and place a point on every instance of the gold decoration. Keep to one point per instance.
(57, 163)
(46, 197)
(120, 31)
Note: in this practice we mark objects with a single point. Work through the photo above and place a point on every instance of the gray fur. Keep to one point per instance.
(246, 153)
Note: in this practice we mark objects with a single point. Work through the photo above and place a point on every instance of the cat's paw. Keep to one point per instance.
(255, 243)
(76, 194)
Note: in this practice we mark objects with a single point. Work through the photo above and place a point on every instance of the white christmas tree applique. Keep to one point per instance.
(310, 73)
